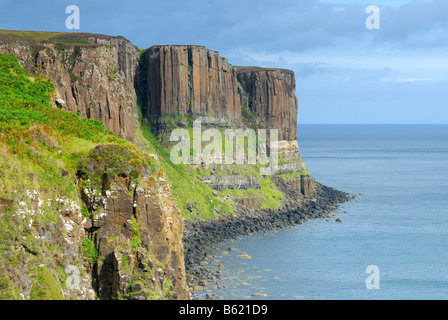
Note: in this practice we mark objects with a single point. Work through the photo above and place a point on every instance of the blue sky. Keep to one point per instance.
(345, 73)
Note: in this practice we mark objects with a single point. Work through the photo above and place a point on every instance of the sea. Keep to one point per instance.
(392, 243)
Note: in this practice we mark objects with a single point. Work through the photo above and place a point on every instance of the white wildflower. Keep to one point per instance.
(69, 226)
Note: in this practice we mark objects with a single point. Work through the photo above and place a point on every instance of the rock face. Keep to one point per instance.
(138, 233)
(190, 80)
(224, 182)
(195, 81)
(94, 78)
(186, 82)
(60, 242)
(270, 95)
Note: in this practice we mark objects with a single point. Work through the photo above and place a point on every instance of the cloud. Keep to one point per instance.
(416, 24)
(274, 27)
(413, 80)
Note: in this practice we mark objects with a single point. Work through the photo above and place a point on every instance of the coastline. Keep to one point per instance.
(199, 235)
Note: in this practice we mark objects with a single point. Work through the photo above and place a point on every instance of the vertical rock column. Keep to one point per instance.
(190, 80)
(138, 233)
(270, 95)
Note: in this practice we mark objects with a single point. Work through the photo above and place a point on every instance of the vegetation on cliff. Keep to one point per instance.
(195, 199)
(44, 154)
(55, 37)
(198, 200)
(105, 161)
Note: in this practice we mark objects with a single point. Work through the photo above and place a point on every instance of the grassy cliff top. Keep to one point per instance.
(245, 69)
(51, 36)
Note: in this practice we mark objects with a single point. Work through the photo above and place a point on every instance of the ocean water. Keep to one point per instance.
(399, 224)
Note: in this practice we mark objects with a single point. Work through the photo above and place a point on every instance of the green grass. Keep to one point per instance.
(136, 234)
(38, 139)
(105, 161)
(32, 35)
(188, 188)
(45, 286)
(76, 41)
(269, 196)
(89, 250)
(248, 117)
(294, 175)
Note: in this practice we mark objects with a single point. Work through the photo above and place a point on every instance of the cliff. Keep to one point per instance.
(270, 95)
(190, 80)
(125, 217)
(183, 83)
(93, 74)
(196, 81)
(137, 230)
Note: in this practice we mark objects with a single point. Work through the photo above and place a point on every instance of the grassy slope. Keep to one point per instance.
(31, 35)
(244, 69)
(40, 148)
(39, 139)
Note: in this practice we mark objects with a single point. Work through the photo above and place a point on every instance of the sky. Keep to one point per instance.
(345, 72)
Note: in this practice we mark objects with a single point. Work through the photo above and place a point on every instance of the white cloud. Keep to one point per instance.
(412, 80)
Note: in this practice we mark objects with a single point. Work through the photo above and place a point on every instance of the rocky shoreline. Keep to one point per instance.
(200, 235)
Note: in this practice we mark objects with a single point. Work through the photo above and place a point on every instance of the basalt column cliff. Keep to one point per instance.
(190, 82)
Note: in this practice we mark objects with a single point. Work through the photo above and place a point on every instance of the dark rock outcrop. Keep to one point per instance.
(138, 232)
